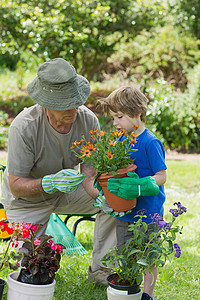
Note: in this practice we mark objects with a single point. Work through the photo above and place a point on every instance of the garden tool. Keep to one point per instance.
(62, 235)
(3, 235)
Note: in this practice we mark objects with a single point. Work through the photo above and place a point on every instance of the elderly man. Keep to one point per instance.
(41, 175)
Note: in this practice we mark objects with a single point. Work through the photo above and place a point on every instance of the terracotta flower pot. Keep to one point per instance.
(119, 204)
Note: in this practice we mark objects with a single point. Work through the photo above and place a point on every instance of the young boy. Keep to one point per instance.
(128, 106)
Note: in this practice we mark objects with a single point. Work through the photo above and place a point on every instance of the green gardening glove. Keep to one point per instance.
(103, 204)
(65, 181)
(132, 186)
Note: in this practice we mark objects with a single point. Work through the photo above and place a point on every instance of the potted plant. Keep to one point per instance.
(39, 260)
(109, 153)
(141, 252)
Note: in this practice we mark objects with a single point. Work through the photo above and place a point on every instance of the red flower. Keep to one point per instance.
(57, 248)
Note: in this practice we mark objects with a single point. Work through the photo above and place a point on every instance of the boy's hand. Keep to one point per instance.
(65, 181)
(132, 186)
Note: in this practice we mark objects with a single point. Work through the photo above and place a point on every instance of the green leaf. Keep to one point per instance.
(142, 262)
(133, 251)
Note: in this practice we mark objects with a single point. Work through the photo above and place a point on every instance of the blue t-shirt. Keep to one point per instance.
(150, 159)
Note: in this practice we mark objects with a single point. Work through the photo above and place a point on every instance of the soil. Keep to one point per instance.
(114, 279)
(172, 155)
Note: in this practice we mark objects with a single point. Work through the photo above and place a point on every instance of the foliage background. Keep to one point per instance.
(152, 44)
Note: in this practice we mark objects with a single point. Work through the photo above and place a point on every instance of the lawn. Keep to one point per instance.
(179, 279)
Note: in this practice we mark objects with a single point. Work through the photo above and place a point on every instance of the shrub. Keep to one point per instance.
(175, 117)
(164, 52)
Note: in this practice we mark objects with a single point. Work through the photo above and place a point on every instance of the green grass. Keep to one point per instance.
(178, 280)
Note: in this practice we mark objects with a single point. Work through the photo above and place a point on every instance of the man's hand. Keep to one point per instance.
(132, 186)
(65, 181)
(103, 204)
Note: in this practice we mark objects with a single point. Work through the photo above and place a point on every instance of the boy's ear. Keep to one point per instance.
(138, 116)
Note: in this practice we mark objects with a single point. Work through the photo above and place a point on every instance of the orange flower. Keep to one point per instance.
(133, 142)
(86, 152)
(112, 143)
(101, 133)
(134, 135)
(93, 134)
(109, 155)
(118, 133)
(87, 149)
(76, 144)
(135, 127)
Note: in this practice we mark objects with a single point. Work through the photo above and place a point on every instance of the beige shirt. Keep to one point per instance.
(35, 149)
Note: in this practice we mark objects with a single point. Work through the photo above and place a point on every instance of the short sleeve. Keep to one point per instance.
(20, 154)
(156, 156)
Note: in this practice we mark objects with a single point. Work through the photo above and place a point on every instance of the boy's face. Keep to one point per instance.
(121, 121)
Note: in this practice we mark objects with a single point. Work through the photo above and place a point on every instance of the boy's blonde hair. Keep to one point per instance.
(128, 100)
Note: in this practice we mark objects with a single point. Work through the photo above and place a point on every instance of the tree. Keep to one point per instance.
(83, 32)
(187, 15)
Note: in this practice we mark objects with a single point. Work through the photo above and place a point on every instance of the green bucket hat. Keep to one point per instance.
(58, 86)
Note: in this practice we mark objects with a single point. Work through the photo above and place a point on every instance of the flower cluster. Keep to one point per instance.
(5, 227)
(178, 250)
(8, 257)
(160, 221)
(151, 244)
(179, 210)
(106, 151)
(38, 253)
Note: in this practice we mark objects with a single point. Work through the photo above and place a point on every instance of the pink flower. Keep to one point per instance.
(31, 227)
(34, 228)
(57, 248)
(37, 242)
(28, 225)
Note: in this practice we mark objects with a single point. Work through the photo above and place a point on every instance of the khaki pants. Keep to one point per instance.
(78, 202)
(123, 234)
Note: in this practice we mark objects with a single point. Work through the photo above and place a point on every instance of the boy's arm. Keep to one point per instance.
(160, 177)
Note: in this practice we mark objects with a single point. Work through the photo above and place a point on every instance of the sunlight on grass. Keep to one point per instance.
(9, 79)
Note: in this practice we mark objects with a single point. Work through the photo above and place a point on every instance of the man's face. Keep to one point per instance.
(64, 117)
